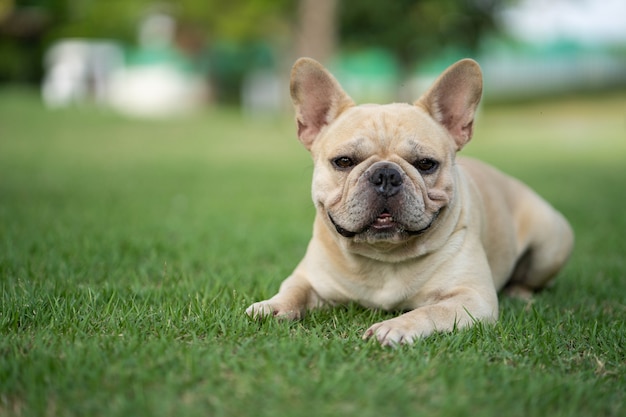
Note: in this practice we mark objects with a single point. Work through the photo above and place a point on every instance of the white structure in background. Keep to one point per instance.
(588, 28)
(159, 86)
(156, 85)
(80, 69)
(558, 46)
(155, 91)
(589, 22)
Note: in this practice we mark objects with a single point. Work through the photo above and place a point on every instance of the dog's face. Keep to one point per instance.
(383, 173)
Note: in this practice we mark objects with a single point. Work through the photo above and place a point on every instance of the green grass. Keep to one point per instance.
(129, 251)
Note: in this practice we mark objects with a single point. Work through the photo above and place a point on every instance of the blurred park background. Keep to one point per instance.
(158, 58)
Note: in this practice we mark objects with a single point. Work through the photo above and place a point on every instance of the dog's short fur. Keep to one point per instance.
(401, 223)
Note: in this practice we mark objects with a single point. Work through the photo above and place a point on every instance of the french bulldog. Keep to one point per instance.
(401, 223)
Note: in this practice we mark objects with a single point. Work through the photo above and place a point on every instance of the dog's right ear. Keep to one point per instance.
(317, 98)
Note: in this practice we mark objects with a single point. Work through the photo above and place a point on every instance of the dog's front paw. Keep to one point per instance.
(269, 308)
(398, 331)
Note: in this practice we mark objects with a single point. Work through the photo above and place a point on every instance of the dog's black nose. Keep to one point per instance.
(387, 181)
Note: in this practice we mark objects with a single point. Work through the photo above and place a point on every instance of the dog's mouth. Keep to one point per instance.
(384, 223)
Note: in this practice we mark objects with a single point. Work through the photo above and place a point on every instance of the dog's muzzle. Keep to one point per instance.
(349, 234)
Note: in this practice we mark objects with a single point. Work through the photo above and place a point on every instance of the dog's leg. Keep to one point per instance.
(549, 243)
(459, 307)
(459, 295)
(294, 298)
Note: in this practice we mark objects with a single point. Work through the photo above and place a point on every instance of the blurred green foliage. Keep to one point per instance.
(31, 25)
(416, 28)
(406, 28)
(235, 19)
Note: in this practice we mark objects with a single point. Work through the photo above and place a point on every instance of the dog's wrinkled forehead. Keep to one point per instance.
(385, 129)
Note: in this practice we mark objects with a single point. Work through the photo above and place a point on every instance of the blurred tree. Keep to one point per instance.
(237, 20)
(316, 33)
(21, 33)
(23, 38)
(415, 29)
(411, 29)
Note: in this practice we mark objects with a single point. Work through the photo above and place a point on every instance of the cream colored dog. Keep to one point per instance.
(401, 223)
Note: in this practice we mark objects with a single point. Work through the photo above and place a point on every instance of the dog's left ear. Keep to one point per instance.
(453, 99)
(317, 97)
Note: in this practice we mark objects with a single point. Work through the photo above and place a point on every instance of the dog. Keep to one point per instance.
(404, 225)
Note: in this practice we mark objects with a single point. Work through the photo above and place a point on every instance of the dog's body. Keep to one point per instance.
(401, 224)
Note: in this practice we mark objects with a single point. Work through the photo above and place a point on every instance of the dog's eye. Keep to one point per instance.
(343, 162)
(426, 165)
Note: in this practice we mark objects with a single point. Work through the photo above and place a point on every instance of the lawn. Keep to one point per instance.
(129, 251)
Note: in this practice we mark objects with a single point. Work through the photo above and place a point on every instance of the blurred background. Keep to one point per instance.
(161, 58)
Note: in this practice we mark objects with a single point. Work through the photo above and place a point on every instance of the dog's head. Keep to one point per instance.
(384, 173)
